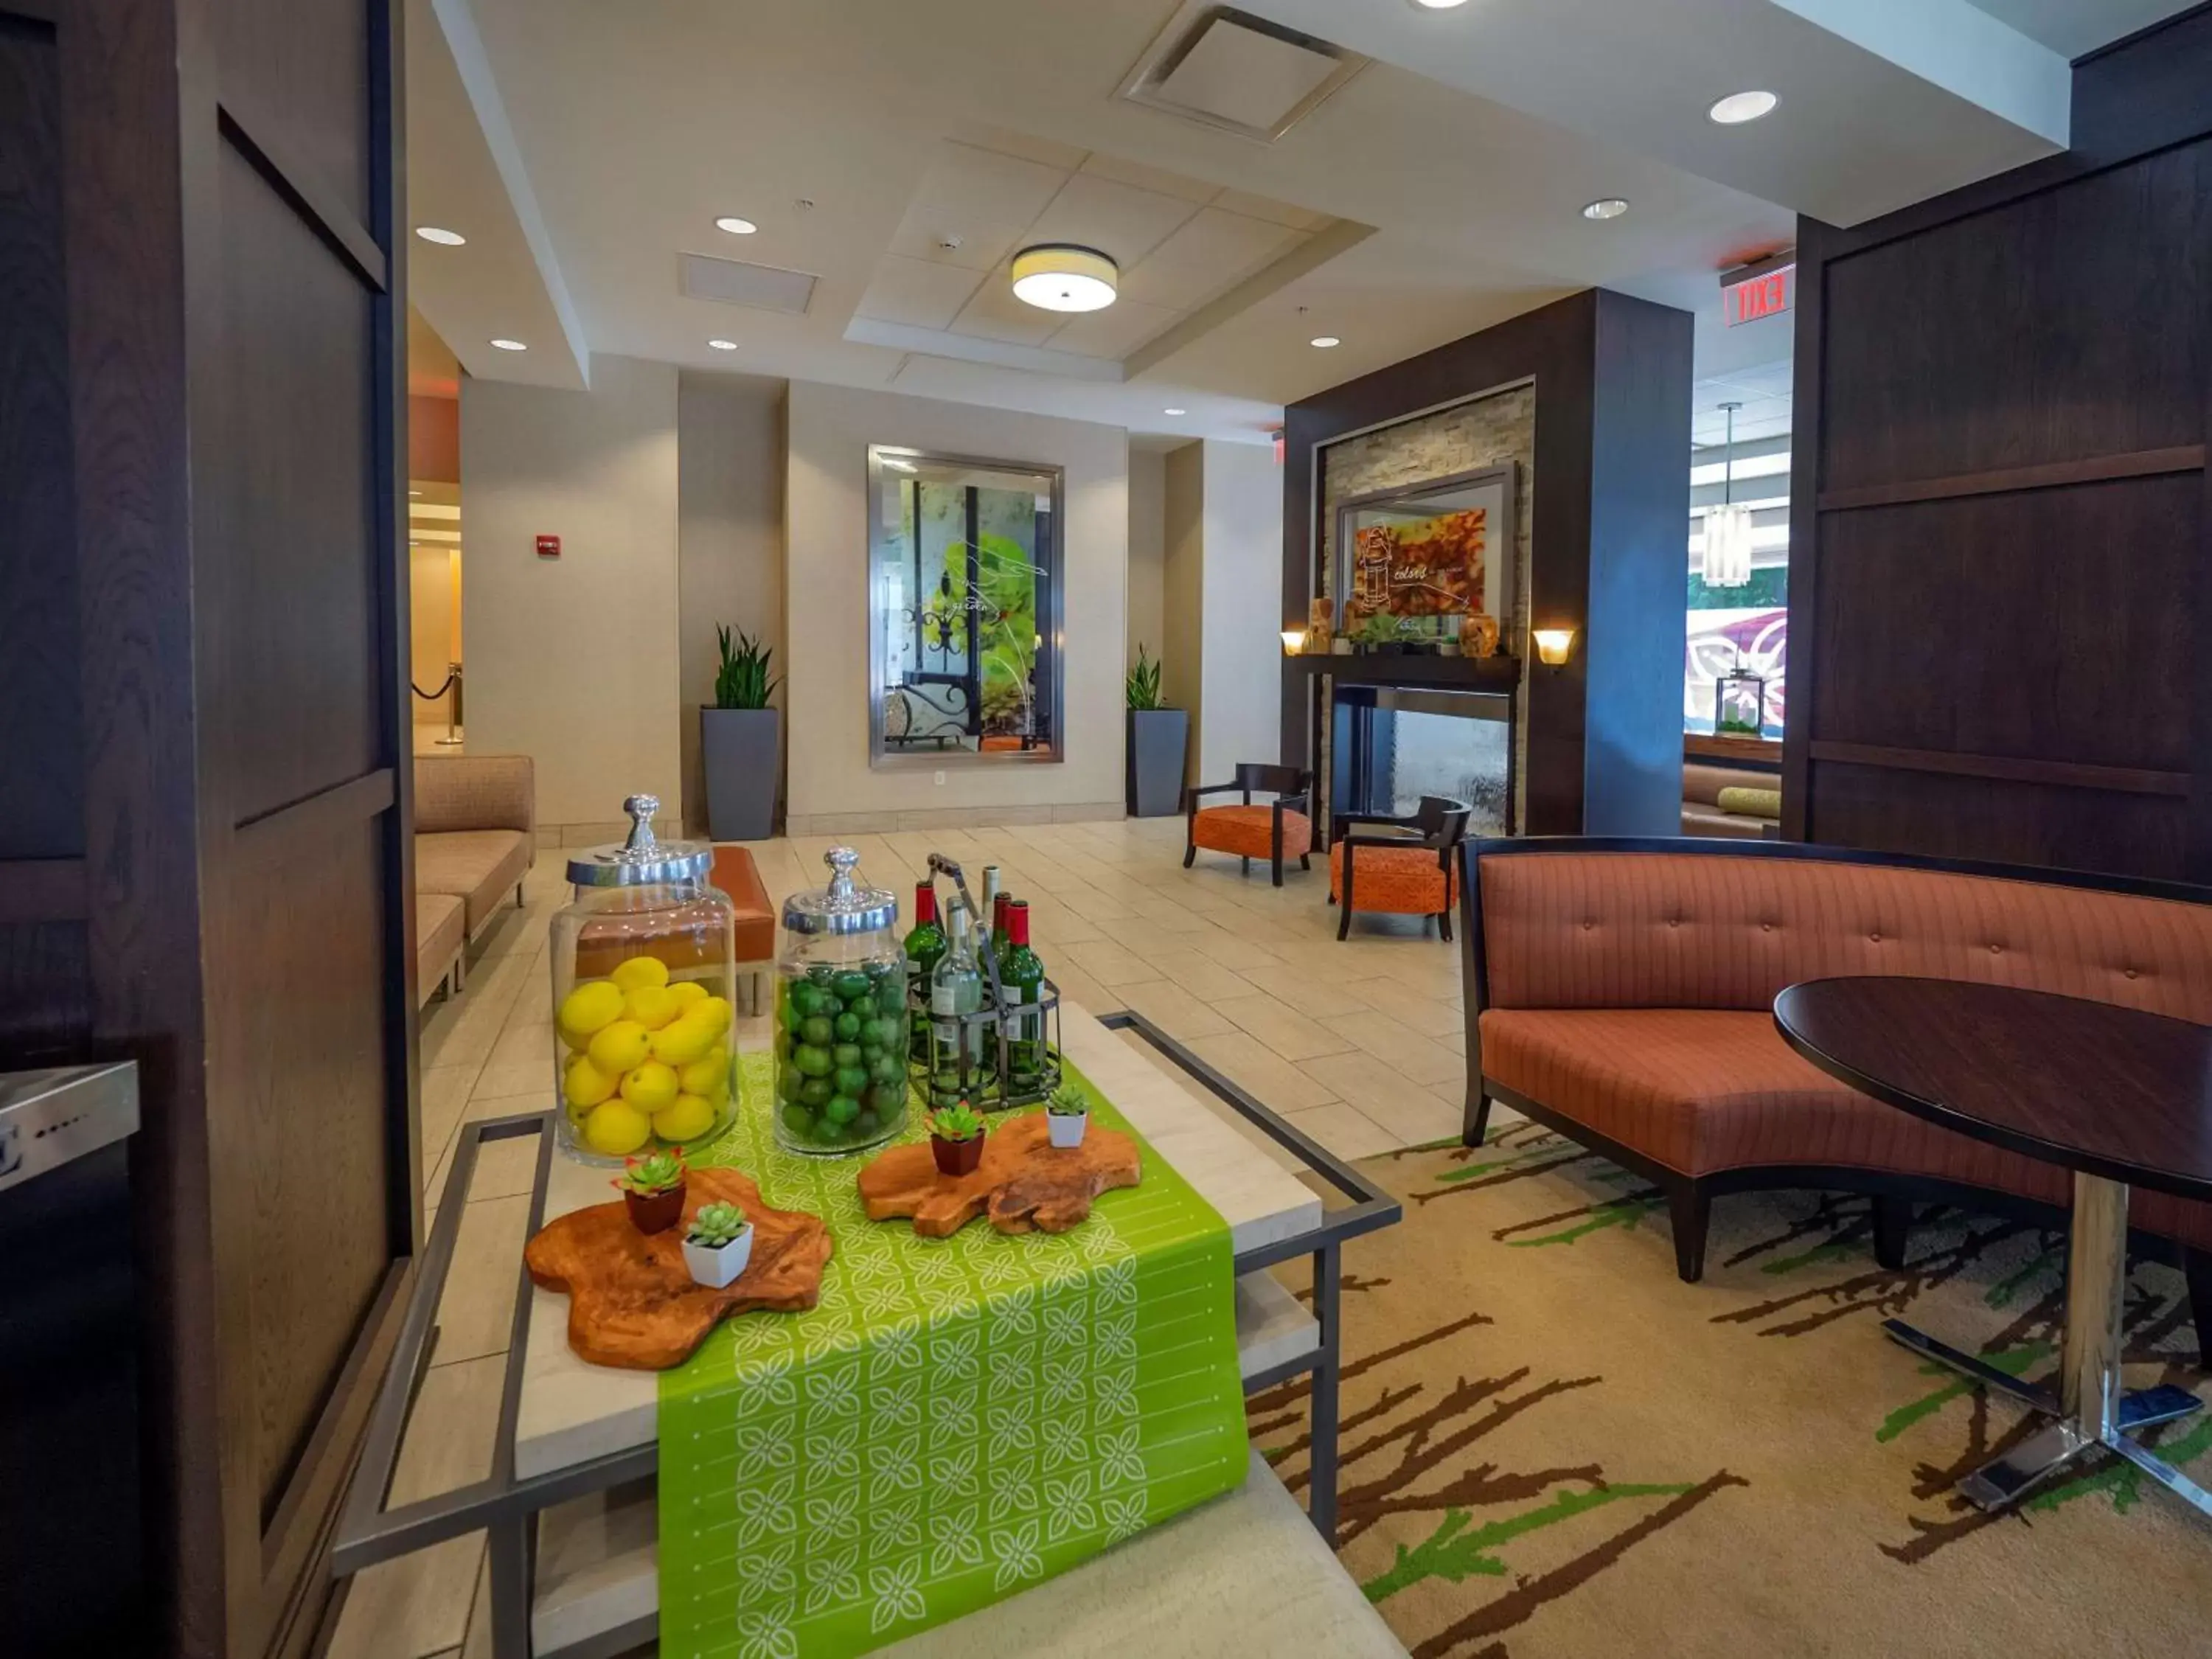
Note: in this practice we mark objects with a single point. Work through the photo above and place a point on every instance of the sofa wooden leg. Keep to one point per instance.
(1246, 863)
(1305, 860)
(1474, 1126)
(1690, 1207)
(1275, 867)
(2197, 1265)
(1892, 1230)
(1444, 925)
(1189, 853)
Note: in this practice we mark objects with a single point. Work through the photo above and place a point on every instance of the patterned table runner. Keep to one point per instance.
(958, 1419)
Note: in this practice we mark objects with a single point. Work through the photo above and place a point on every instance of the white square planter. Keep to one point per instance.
(715, 1267)
(1067, 1130)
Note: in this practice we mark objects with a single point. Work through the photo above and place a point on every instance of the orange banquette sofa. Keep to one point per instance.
(1622, 992)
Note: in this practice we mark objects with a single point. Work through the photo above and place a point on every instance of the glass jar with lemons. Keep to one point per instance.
(841, 1021)
(643, 1047)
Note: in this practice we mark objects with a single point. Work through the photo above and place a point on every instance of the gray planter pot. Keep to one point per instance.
(738, 749)
(1154, 768)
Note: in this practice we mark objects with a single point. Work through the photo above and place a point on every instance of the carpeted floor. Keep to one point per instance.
(1555, 1449)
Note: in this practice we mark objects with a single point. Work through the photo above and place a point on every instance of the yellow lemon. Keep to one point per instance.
(716, 1009)
(616, 1129)
(651, 1006)
(689, 1118)
(595, 1004)
(584, 1083)
(576, 1041)
(709, 1076)
(650, 1086)
(617, 1047)
(687, 992)
(639, 972)
(684, 1040)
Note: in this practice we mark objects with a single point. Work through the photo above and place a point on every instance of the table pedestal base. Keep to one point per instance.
(2091, 1410)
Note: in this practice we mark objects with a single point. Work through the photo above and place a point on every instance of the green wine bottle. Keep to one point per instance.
(1021, 984)
(925, 946)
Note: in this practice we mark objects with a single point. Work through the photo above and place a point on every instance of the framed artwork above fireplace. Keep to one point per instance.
(1441, 548)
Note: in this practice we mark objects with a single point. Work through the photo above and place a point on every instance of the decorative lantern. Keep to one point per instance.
(1739, 705)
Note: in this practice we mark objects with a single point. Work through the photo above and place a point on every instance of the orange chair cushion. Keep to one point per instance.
(1403, 880)
(1705, 1090)
(1249, 831)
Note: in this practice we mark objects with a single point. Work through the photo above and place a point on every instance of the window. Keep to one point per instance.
(1739, 627)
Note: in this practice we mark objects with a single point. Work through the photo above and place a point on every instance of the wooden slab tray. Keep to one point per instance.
(632, 1302)
(1024, 1184)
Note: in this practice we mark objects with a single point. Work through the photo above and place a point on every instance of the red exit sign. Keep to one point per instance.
(548, 547)
(1758, 293)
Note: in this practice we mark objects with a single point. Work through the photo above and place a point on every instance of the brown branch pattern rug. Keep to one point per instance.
(1555, 1449)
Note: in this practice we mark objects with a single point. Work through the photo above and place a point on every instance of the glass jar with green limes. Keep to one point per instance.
(841, 1018)
(643, 963)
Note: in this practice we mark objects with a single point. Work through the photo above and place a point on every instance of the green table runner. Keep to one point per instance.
(957, 1420)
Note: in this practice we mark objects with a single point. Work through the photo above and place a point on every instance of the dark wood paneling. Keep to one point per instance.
(2061, 327)
(42, 890)
(2040, 625)
(42, 806)
(306, 63)
(2001, 536)
(300, 578)
(2054, 825)
(45, 992)
(1557, 346)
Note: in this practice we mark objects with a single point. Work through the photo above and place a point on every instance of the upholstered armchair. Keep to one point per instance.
(1279, 831)
(1406, 871)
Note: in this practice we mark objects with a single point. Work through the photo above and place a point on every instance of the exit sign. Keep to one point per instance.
(1757, 291)
(548, 547)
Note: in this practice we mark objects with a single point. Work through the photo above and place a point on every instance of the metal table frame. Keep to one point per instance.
(505, 1508)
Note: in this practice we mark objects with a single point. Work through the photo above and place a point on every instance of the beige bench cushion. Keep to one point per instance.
(475, 792)
(480, 867)
(441, 931)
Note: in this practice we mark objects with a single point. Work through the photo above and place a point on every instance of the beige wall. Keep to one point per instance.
(1182, 589)
(433, 599)
(1242, 650)
(729, 541)
(1148, 484)
(575, 661)
(831, 787)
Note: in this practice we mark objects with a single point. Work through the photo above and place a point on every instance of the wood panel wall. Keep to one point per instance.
(1611, 490)
(2001, 543)
(204, 859)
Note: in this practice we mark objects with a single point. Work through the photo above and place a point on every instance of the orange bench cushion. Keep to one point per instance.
(1249, 831)
(1404, 881)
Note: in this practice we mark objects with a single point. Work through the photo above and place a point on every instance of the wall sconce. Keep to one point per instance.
(1553, 645)
(1294, 641)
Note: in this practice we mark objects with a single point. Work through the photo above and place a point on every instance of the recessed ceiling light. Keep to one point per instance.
(1058, 276)
(1325, 341)
(1738, 107)
(510, 345)
(1438, 5)
(1610, 207)
(442, 237)
(736, 225)
(723, 345)
(1175, 411)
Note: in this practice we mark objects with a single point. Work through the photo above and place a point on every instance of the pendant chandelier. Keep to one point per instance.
(1728, 527)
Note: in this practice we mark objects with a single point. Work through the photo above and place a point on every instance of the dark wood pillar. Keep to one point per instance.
(205, 864)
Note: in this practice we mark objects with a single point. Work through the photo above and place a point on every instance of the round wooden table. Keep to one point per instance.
(2118, 1096)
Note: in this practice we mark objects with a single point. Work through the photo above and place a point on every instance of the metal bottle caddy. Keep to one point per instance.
(1004, 1057)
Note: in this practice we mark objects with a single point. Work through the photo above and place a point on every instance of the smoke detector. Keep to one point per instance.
(1228, 70)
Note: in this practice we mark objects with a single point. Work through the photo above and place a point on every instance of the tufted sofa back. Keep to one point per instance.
(1620, 928)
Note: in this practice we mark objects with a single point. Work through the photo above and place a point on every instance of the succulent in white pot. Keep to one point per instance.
(719, 1245)
(1067, 1116)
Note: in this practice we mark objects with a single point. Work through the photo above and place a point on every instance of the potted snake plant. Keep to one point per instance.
(718, 1245)
(1152, 761)
(739, 743)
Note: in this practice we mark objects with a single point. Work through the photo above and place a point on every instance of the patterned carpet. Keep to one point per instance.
(1555, 1449)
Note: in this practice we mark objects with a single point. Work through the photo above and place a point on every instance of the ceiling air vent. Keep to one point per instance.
(734, 282)
(1231, 70)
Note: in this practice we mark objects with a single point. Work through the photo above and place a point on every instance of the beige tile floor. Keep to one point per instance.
(1358, 1043)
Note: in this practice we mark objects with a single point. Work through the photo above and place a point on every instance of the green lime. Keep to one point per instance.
(887, 1070)
(847, 1027)
(851, 1079)
(842, 1109)
(789, 1081)
(821, 974)
(806, 1000)
(891, 1001)
(817, 1030)
(887, 1098)
(867, 1124)
(793, 1015)
(814, 1091)
(814, 1061)
(851, 984)
(798, 1120)
(849, 1054)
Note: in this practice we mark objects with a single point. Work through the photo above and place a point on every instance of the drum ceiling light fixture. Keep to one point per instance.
(1060, 277)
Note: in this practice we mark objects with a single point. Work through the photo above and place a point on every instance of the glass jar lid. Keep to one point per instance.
(842, 907)
(643, 860)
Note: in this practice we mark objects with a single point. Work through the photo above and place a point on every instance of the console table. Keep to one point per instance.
(1326, 675)
(570, 1509)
